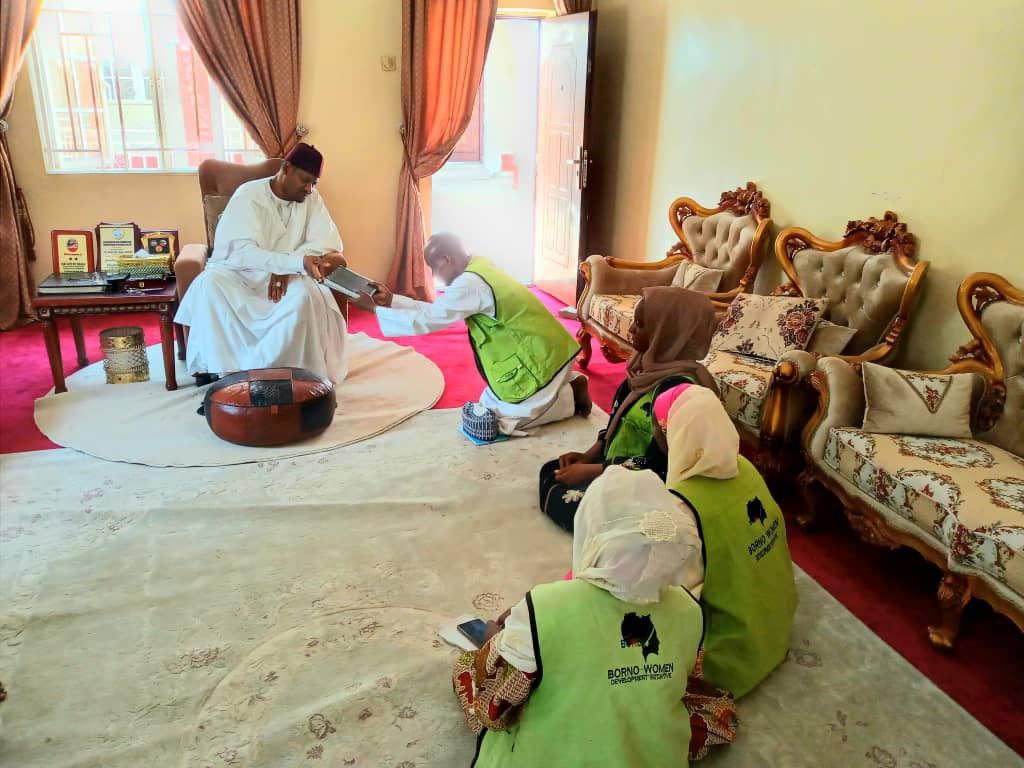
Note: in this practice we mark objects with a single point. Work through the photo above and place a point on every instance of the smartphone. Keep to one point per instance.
(474, 631)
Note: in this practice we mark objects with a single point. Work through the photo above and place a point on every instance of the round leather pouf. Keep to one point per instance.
(270, 406)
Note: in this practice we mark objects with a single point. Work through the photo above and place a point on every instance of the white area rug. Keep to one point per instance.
(283, 614)
(145, 424)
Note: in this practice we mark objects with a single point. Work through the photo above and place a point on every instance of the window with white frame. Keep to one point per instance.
(118, 87)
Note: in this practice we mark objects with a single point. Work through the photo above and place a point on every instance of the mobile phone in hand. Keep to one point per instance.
(474, 631)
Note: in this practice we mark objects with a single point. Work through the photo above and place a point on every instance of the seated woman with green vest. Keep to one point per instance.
(748, 596)
(672, 328)
(522, 351)
(596, 670)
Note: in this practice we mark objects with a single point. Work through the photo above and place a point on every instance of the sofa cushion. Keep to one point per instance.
(694, 277)
(1004, 322)
(830, 338)
(966, 494)
(767, 326)
(913, 403)
(743, 382)
(614, 312)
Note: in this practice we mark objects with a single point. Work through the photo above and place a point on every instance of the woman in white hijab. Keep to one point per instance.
(748, 596)
(596, 670)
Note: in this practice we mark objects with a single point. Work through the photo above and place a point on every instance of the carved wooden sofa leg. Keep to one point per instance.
(954, 594)
(611, 354)
(809, 517)
(583, 337)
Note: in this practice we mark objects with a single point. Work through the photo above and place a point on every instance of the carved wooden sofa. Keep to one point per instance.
(959, 502)
(725, 245)
(869, 280)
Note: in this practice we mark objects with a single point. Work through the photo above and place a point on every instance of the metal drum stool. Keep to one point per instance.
(124, 355)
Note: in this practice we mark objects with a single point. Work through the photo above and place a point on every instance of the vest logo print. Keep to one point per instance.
(638, 631)
(755, 511)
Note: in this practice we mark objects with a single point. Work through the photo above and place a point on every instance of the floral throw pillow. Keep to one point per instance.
(914, 403)
(767, 326)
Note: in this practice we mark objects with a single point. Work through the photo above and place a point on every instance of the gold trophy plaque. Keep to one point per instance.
(72, 251)
(116, 242)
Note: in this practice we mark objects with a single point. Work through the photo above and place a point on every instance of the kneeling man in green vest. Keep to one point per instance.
(522, 351)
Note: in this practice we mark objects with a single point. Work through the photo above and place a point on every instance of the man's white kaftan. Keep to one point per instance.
(233, 325)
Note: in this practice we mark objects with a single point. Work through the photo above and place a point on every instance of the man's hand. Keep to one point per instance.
(568, 459)
(313, 266)
(383, 295)
(577, 474)
(364, 302)
(278, 285)
(331, 261)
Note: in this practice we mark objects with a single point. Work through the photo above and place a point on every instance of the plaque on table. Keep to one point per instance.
(160, 242)
(116, 241)
(72, 251)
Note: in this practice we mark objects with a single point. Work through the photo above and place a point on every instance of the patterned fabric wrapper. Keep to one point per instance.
(494, 702)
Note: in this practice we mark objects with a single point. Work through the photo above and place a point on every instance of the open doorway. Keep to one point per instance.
(485, 193)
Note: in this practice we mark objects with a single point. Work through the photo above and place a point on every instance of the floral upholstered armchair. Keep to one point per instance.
(718, 253)
(935, 461)
(850, 298)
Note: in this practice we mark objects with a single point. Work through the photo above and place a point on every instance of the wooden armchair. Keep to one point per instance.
(869, 279)
(957, 501)
(730, 238)
(218, 181)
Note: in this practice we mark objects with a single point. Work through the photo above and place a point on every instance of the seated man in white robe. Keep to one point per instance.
(523, 353)
(259, 302)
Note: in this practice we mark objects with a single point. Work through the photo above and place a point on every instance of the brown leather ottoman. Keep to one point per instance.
(270, 406)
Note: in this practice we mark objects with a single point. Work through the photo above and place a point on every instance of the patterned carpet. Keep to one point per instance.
(285, 614)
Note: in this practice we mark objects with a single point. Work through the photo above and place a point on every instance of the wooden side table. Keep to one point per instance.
(76, 305)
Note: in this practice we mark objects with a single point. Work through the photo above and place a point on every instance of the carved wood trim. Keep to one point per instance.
(885, 235)
(746, 200)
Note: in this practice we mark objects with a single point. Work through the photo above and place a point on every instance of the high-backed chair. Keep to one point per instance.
(955, 495)
(868, 280)
(725, 245)
(218, 181)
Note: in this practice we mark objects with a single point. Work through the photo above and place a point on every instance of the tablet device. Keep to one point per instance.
(344, 280)
(474, 631)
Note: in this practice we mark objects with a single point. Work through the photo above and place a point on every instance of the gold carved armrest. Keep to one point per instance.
(840, 403)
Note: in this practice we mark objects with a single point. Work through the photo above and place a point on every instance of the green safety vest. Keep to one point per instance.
(520, 350)
(635, 430)
(749, 596)
(610, 685)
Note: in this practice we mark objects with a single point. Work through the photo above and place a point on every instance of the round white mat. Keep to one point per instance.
(145, 424)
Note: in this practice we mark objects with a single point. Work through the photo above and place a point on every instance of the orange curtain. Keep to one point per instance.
(565, 7)
(251, 50)
(444, 46)
(17, 240)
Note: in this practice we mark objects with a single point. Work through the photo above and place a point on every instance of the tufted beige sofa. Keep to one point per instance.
(731, 238)
(958, 502)
(870, 279)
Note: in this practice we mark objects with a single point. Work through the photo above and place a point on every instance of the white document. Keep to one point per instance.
(449, 632)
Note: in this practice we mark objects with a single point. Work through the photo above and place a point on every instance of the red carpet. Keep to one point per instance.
(893, 593)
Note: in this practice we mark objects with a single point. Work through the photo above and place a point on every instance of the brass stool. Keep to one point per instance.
(124, 355)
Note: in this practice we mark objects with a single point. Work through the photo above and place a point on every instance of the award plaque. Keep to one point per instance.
(116, 242)
(160, 242)
(72, 251)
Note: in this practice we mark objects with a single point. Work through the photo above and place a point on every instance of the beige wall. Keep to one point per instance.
(629, 44)
(837, 111)
(352, 108)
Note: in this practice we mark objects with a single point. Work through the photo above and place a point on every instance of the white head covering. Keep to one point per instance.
(702, 440)
(631, 536)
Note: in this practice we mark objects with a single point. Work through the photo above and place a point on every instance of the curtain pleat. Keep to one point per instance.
(444, 47)
(251, 48)
(17, 239)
